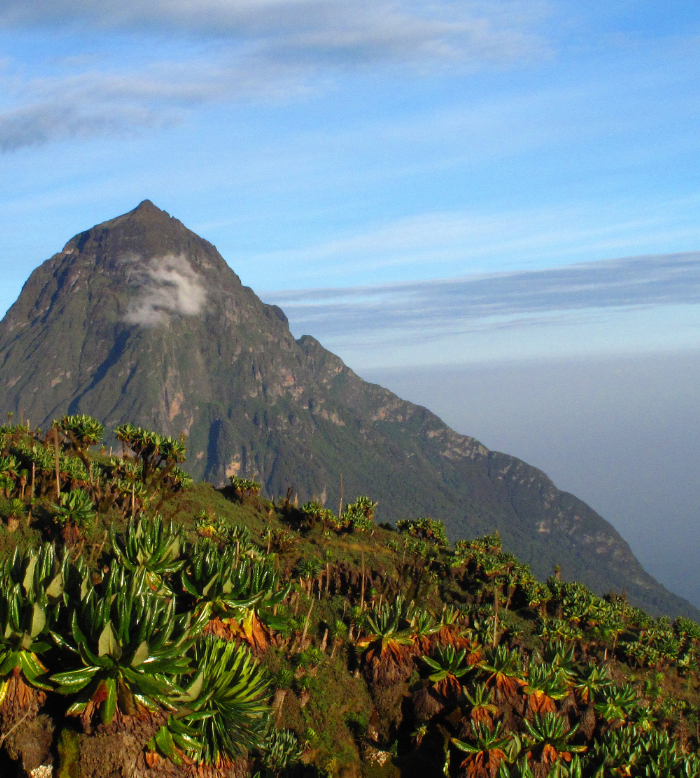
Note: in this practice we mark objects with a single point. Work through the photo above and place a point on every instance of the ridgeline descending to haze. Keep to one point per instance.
(140, 320)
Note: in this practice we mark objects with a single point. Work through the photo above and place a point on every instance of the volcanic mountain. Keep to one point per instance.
(140, 320)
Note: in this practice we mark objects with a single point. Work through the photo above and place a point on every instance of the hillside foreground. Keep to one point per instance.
(151, 626)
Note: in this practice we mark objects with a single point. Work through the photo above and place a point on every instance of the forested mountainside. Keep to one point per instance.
(151, 626)
(139, 320)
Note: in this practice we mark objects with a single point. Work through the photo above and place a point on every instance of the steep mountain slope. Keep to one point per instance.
(141, 320)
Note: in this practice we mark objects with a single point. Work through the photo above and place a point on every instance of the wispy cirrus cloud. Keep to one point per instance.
(365, 30)
(447, 243)
(107, 102)
(35, 125)
(493, 301)
(240, 50)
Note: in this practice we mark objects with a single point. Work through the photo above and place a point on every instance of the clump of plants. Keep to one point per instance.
(190, 640)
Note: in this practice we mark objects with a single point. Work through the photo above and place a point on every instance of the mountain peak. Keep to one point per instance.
(143, 220)
(147, 205)
(140, 320)
(142, 235)
(148, 213)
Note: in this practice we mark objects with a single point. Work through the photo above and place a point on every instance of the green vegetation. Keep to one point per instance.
(154, 627)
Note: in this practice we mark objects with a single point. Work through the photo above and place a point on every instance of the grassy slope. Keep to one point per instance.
(350, 725)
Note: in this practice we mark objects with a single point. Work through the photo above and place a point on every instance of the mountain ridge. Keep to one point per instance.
(138, 319)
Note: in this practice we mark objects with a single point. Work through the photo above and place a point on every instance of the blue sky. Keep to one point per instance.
(416, 183)
(326, 145)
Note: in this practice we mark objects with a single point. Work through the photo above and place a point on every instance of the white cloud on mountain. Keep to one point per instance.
(167, 285)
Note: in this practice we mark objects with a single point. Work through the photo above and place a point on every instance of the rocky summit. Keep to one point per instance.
(140, 320)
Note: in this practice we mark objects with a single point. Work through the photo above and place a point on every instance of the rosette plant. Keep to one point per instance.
(504, 670)
(257, 619)
(386, 633)
(359, 515)
(158, 457)
(386, 627)
(244, 591)
(314, 513)
(431, 530)
(448, 666)
(629, 751)
(559, 630)
(450, 631)
(244, 487)
(31, 589)
(481, 708)
(591, 682)
(215, 582)
(487, 749)
(545, 684)
(562, 659)
(224, 710)
(617, 703)
(74, 474)
(150, 545)
(75, 509)
(125, 647)
(10, 468)
(156, 452)
(282, 749)
(174, 481)
(212, 527)
(81, 432)
(310, 571)
(548, 737)
(240, 537)
(12, 511)
(423, 626)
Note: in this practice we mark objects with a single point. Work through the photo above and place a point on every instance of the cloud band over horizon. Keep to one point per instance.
(427, 311)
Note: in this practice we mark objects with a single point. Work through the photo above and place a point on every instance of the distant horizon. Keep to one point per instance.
(634, 462)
